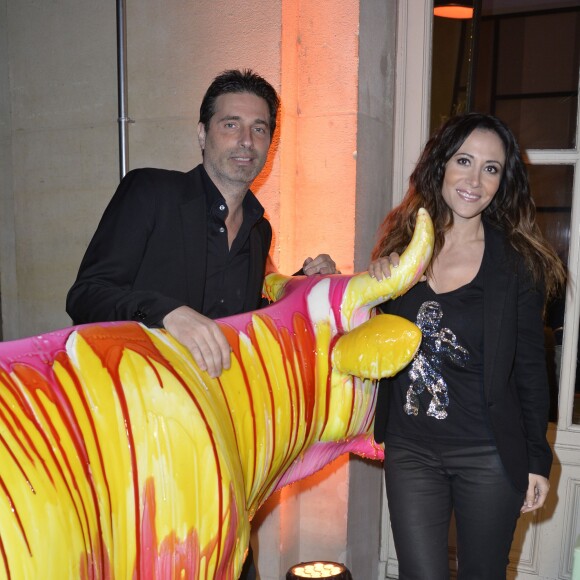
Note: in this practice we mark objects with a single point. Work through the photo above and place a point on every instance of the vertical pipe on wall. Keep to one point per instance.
(122, 86)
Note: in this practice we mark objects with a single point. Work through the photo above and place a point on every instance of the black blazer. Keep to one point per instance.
(515, 378)
(148, 255)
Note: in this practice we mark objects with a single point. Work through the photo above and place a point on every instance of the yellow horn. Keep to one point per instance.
(379, 348)
(363, 290)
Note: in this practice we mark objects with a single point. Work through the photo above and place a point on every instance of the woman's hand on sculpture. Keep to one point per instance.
(381, 268)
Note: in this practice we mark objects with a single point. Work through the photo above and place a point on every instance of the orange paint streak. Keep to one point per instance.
(233, 337)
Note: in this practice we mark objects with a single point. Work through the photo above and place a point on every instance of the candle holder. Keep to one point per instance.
(319, 569)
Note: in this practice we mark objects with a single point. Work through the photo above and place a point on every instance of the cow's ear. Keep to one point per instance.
(274, 285)
(378, 348)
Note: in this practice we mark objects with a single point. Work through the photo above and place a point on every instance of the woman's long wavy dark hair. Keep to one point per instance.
(512, 209)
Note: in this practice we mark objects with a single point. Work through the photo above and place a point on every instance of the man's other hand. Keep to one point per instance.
(322, 264)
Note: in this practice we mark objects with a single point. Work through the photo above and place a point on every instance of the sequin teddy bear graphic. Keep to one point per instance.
(437, 345)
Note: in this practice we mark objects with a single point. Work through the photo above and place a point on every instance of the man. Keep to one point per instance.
(180, 249)
(177, 250)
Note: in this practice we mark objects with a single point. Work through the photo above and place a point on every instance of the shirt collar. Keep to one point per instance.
(253, 209)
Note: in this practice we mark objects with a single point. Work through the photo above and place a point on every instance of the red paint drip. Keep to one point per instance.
(252, 334)
(55, 393)
(73, 426)
(25, 443)
(233, 338)
(5, 560)
(33, 381)
(336, 294)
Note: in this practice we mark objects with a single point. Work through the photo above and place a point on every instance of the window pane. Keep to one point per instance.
(452, 53)
(527, 73)
(540, 123)
(552, 192)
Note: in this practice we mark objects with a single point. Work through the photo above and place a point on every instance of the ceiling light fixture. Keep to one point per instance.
(462, 10)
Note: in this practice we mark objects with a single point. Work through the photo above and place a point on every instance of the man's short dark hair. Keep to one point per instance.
(239, 81)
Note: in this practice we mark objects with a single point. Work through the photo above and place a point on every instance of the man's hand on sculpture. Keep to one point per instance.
(322, 264)
(202, 337)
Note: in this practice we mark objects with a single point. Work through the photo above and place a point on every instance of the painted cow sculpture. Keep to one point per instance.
(120, 459)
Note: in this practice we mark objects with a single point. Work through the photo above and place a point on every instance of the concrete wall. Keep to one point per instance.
(7, 254)
(61, 146)
(59, 122)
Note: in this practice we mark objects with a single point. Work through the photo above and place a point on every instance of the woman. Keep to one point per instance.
(464, 424)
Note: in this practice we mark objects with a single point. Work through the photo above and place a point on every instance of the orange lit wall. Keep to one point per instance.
(319, 79)
(319, 60)
(315, 212)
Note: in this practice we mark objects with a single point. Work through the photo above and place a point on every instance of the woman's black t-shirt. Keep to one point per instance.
(439, 396)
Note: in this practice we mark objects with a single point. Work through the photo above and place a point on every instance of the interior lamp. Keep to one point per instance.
(462, 10)
(319, 569)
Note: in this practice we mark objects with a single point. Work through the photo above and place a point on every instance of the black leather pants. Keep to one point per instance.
(425, 484)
